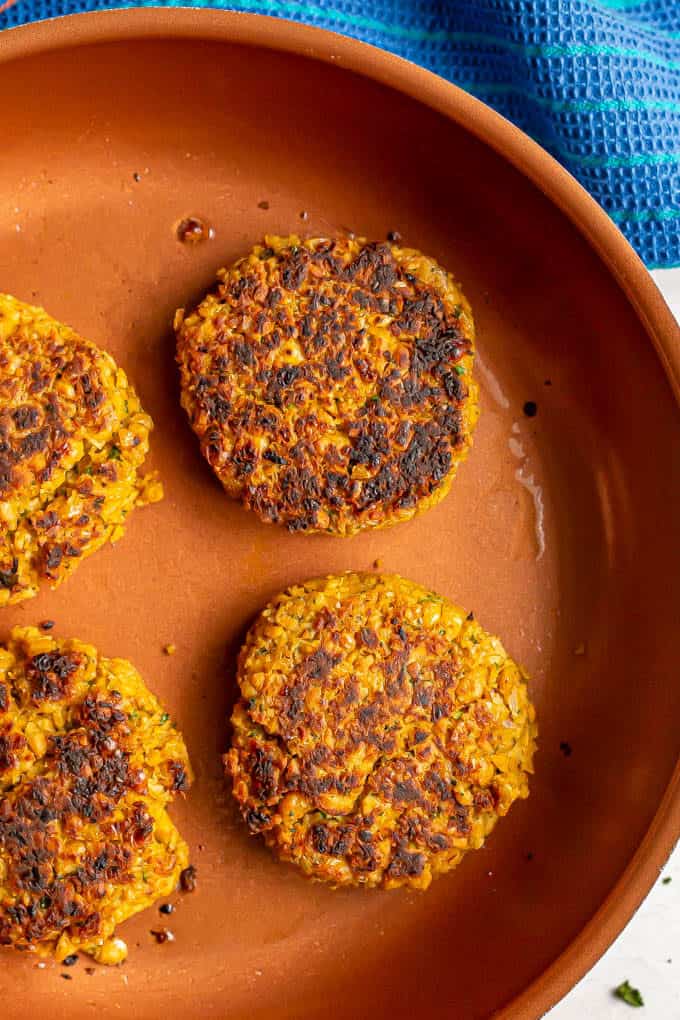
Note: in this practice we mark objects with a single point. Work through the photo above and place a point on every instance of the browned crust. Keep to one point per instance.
(329, 382)
(380, 733)
(86, 771)
(72, 438)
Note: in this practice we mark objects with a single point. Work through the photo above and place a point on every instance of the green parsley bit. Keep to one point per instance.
(460, 369)
(114, 453)
(667, 880)
(629, 995)
(164, 718)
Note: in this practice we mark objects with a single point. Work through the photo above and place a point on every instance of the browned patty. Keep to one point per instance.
(73, 437)
(89, 761)
(380, 733)
(329, 382)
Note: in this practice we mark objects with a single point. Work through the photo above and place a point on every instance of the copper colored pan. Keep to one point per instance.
(561, 531)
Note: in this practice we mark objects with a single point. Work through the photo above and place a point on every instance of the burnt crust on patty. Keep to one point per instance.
(380, 733)
(73, 436)
(329, 382)
(89, 761)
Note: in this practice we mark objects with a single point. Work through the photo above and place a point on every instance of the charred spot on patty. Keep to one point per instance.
(344, 368)
(48, 675)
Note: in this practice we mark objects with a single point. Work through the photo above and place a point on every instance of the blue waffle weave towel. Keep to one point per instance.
(596, 82)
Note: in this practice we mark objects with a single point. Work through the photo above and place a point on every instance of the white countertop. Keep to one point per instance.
(647, 953)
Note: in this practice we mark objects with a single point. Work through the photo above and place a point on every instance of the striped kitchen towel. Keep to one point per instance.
(596, 82)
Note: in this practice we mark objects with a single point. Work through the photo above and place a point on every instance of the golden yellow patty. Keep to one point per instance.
(329, 382)
(88, 763)
(380, 734)
(73, 436)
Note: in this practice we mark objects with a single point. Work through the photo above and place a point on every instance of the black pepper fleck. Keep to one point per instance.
(166, 908)
(70, 961)
(394, 236)
(565, 748)
(47, 625)
(530, 408)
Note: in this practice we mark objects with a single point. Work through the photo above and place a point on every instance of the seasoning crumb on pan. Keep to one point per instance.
(74, 439)
(566, 748)
(187, 879)
(379, 735)
(47, 625)
(88, 765)
(193, 230)
(530, 408)
(264, 204)
(166, 908)
(162, 935)
(170, 649)
(330, 382)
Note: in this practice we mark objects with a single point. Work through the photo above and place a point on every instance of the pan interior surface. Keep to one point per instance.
(560, 531)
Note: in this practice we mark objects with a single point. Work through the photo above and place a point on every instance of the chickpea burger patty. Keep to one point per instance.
(73, 437)
(89, 761)
(329, 382)
(380, 733)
